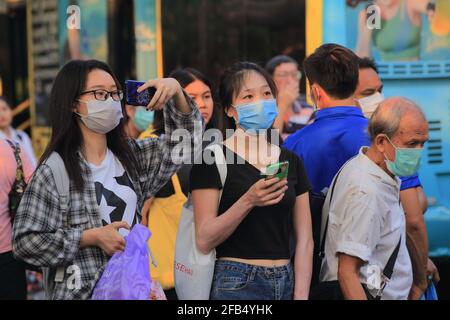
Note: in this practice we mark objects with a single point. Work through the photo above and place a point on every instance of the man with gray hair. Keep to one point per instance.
(365, 240)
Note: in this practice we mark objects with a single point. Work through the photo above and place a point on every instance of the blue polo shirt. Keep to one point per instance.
(336, 136)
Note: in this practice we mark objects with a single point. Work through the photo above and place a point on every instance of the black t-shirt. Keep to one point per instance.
(265, 232)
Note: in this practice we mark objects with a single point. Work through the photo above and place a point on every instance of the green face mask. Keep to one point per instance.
(407, 161)
(143, 118)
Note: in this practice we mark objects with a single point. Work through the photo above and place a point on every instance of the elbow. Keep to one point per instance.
(204, 238)
(415, 224)
(16, 251)
(42, 250)
(423, 202)
(203, 247)
(309, 249)
(18, 248)
(306, 245)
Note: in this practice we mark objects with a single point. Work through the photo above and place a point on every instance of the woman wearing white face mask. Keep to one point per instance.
(110, 175)
(251, 225)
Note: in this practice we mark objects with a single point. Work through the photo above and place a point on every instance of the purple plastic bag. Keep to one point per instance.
(127, 274)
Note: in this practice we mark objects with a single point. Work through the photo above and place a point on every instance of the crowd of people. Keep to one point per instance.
(345, 222)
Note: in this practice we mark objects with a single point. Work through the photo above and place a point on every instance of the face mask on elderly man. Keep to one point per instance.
(407, 161)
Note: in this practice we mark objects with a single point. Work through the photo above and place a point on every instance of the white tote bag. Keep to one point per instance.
(194, 270)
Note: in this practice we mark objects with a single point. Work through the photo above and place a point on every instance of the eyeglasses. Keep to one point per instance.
(297, 75)
(103, 95)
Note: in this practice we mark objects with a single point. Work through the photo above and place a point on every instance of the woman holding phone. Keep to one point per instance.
(251, 226)
(165, 209)
(110, 175)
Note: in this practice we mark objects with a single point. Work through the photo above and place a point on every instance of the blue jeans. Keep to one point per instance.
(239, 281)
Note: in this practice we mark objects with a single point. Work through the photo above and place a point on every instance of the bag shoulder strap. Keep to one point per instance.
(221, 163)
(16, 150)
(14, 146)
(389, 269)
(326, 210)
(20, 135)
(62, 181)
(20, 179)
(387, 272)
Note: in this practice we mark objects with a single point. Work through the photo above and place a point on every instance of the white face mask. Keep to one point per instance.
(299, 119)
(103, 116)
(370, 104)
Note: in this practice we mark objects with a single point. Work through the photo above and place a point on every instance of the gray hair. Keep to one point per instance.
(386, 119)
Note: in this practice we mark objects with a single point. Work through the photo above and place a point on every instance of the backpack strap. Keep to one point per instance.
(62, 181)
(56, 164)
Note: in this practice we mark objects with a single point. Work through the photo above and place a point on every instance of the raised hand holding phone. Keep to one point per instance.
(165, 90)
(135, 98)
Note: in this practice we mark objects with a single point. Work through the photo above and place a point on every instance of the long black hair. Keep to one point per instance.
(185, 77)
(66, 138)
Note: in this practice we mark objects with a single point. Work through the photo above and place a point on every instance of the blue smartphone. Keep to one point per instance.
(138, 99)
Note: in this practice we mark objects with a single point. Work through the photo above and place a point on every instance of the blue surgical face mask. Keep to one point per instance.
(143, 118)
(407, 161)
(255, 116)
